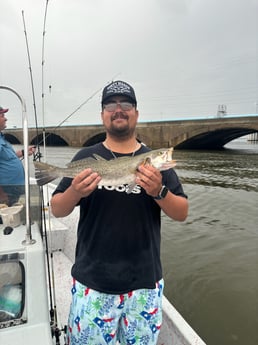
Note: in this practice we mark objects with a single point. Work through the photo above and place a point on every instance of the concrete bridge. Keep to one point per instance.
(209, 133)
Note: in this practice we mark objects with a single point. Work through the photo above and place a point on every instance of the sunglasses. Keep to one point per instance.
(125, 106)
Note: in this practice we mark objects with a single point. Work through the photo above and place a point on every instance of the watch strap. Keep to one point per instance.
(162, 193)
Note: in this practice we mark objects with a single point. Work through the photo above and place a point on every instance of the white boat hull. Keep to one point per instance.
(34, 327)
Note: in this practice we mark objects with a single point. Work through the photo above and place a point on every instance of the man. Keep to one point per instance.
(11, 168)
(117, 275)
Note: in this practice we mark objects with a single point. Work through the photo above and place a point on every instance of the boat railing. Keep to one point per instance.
(28, 238)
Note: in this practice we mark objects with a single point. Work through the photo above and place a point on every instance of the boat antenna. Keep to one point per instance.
(37, 155)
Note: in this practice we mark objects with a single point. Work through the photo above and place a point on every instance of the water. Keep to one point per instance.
(210, 261)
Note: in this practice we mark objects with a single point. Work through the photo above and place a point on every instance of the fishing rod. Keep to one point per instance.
(53, 314)
(82, 104)
(78, 108)
(42, 74)
(56, 332)
(85, 102)
(70, 115)
(54, 328)
(50, 263)
(38, 154)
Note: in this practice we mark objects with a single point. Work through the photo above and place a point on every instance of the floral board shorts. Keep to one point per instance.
(98, 318)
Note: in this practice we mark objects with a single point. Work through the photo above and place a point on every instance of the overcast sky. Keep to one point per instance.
(183, 57)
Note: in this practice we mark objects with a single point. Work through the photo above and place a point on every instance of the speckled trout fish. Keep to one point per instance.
(114, 172)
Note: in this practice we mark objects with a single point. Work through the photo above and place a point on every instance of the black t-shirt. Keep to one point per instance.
(118, 242)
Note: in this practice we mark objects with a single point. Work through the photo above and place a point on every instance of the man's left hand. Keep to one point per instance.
(150, 179)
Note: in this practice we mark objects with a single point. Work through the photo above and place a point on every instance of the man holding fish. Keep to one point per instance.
(117, 275)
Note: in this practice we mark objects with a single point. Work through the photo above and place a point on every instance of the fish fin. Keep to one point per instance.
(168, 165)
(80, 162)
(130, 187)
(98, 158)
(147, 161)
(43, 173)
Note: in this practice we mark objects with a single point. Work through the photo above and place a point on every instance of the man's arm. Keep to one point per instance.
(175, 206)
(62, 204)
(20, 153)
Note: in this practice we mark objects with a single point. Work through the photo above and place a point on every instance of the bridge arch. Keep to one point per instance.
(100, 138)
(210, 133)
(12, 139)
(215, 139)
(95, 139)
(51, 139)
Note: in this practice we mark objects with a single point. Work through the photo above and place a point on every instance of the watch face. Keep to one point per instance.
(163, 192)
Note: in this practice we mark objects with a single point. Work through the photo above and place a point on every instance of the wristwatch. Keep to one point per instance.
(162, 193)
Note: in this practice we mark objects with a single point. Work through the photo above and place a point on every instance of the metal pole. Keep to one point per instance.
(28, 240)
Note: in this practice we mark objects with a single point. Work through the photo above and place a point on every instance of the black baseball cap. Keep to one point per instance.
(118, 88)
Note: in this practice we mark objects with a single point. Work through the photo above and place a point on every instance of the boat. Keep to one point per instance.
(36, 255)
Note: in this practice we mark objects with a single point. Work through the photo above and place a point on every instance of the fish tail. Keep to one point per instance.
(44, 173)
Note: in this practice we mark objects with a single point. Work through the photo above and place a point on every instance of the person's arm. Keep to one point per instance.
(175, 206)
(20, 153)
(62, 204)
(83, 184)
